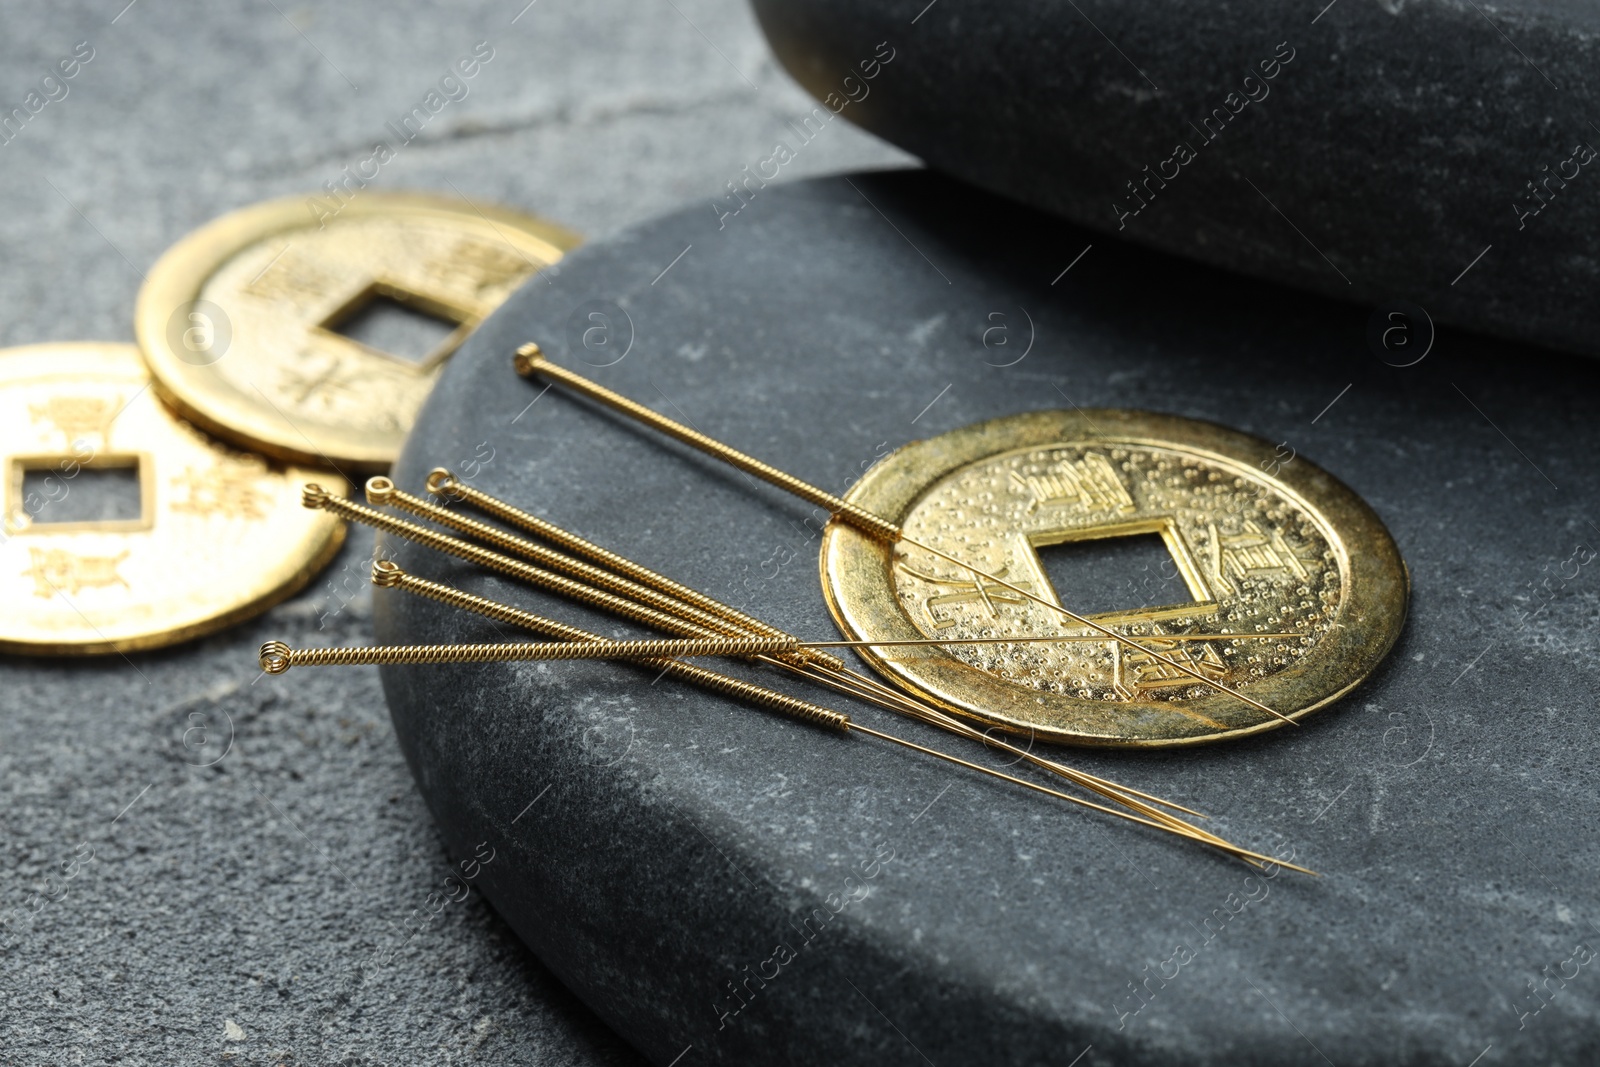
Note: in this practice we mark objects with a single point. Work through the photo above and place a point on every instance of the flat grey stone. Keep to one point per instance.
(659, 847)
(1369, 150)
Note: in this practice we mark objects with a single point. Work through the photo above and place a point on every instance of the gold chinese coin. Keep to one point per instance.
(245, 322)
(201, 536)
(1284, 585)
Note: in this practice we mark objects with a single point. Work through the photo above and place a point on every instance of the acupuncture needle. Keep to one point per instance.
(314, 496)
(831, 674)
(530, 361)
(382, 490)
(277, 657)
(442, 483)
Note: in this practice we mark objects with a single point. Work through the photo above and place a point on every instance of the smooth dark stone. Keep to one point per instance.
(675, 839)
(1385, 157)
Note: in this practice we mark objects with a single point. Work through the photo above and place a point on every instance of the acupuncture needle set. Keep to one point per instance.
(1297, 589)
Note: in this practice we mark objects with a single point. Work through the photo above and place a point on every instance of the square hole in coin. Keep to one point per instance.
(106, 494)
(405, 325)
(1117, 573)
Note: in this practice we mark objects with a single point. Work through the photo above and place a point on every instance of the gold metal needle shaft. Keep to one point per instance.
(277, 657)
(691, 622)
(662, 614)
(833, 675)
(946, 642)
(838, 678)
(738, 647)
(443, 483)
(381, 490)
(389, 574)
(705, 612)
(1254, 858)
(316, 497)
(846, 681)
(530, 361)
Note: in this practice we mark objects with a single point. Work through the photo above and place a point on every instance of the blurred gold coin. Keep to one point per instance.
(276, 326)
(123, 527)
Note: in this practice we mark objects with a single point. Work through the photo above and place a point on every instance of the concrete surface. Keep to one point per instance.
(261, 860)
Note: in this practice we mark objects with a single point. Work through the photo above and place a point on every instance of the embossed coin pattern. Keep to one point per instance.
(1263, 546)
(241, 320)
(214, 535)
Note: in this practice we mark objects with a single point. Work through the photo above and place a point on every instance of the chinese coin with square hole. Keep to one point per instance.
(216, 535)
(1295, 590)
(245, 321)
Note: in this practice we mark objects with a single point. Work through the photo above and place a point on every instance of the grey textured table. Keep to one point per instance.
(253, 890)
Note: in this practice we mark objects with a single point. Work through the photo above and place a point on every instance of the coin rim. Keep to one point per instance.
(181, 273)
(333, 530)
(859, 590)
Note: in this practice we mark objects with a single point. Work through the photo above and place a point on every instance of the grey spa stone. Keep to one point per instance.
(1439, 152)
(724, 886)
